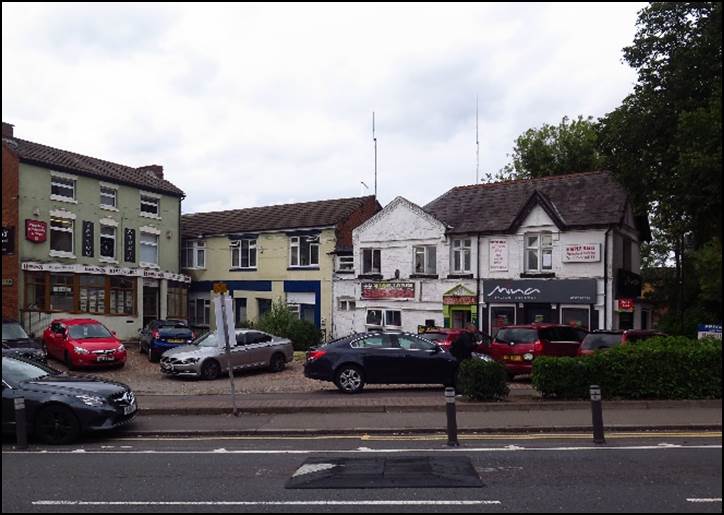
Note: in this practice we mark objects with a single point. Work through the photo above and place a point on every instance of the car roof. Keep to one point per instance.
(76, 321)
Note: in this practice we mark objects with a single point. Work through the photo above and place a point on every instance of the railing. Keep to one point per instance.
(35, 322)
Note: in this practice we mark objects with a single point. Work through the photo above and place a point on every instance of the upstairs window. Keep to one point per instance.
(345, 263)
(243, 254)
(304, 251)
(62, 188)
(425, 260)
(149, 249)
(461, 255)
(150, 206)
(61, 235)
(371, 261)
(109, 197)
(108, 242)
(194, 254)
(538, 252)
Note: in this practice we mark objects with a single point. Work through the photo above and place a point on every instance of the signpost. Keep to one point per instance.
(225, 325)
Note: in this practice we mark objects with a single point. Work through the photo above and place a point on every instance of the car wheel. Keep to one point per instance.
(56, 425)
(278, 363)
(349, 379)
(210, 370)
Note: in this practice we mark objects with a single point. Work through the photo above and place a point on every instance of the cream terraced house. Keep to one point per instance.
(287, 252)
(89, 238)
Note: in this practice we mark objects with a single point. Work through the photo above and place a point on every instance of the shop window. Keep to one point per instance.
(371, 261)
(61, 235)
(575, 317)
(35, 293)
(393, 319)
(199, 312)
(240, 311)
(177, 302)
(461, 255)
(265, 306)
(92, 294)
(304, 251)
(425, 260)
(62, 294)
(538, 252)
(122, 295)
(374, 318)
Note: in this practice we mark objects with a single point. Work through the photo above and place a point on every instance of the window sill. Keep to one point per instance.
(302, 268)
(537, 275)
(67, 200)
(424, 276)
(108, 208)
(149, 265)
(240, 269)
(149, 215)
(110, 261)
(460, 276)
(347, 272)
(61, 254)
(377, 277)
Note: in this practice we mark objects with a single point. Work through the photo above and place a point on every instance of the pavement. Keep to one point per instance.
(405, 411)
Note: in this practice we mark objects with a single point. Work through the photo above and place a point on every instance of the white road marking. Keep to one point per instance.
(712, 500)
(264, 503)
(378, 451)
(314, 467)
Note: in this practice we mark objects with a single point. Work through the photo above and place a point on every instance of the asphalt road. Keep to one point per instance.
(636, 473)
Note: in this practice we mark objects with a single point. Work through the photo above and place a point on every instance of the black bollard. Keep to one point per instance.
(21, 429)
(597, 412)
(452, 425)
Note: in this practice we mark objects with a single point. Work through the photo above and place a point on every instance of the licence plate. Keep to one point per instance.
(129, 409)
(106, 358)
(514, 357)
(176, 340)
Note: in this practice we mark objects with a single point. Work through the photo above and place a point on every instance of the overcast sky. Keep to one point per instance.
(248, 105)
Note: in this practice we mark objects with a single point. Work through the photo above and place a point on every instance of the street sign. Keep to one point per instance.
(709, 331)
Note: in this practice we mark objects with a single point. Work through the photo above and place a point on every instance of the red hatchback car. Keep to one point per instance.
(83, 342)
(445, 336)
(518, 346)
(602, 340)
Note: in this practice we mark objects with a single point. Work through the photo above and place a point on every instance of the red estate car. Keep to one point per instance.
(602, 340)
(83, 342)
(445, 336)
(517, 346)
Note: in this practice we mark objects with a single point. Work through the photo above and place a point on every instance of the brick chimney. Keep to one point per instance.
(8, 130)
(156, 170)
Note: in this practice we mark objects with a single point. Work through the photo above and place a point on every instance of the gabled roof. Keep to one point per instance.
(65, 161)
(592, 199)
(321, 213)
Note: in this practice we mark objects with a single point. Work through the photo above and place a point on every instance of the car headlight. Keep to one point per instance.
(81, 350)
(121, 348)
(91, 400)
(528, 356)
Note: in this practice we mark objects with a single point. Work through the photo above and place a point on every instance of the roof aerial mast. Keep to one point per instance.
(374, 138)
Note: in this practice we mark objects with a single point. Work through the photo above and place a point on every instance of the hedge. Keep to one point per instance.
(482, 380)
(660, 368)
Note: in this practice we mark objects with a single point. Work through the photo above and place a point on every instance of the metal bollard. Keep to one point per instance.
(597, 412)
(452, 425)
(21, 430)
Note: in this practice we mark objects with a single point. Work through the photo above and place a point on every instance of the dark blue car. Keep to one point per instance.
(161, 335)
(380, 358)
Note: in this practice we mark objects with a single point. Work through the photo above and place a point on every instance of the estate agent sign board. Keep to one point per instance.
(582, 253)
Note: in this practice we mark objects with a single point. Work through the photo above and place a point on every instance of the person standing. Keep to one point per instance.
(464, 345)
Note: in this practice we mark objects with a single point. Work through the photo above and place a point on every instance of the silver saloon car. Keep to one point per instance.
(206, 357)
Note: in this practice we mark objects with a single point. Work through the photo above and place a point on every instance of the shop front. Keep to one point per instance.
(529, 301)
(459, 307)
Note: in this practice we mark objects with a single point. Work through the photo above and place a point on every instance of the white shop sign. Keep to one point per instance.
(498, 255)
(582, 253)
(103, 270)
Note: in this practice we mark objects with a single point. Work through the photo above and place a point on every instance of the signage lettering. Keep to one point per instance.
(8, 240)
(582, 253)
(129, 246)
(498, 255)
(88, 239)
(36, 231)
(391, 290)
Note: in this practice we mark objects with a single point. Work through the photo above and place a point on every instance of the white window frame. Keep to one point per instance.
(582, 307)
(238, 247)
(427, 261)
(346, 304)
(108, 188)
(206, 308)
(382, 318)
(114, 257)
(345, 264)
(150, 199)
(197, 248)
(462, 247)
(55, 179)
(540, 250)
(295, 242)
(157, 245)
(374, 252)
(386, 321)
(62, 253)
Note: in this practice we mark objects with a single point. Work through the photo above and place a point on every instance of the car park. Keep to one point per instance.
(60, 407)
(380, 358)
(162, 335)
(17, 343)
(83, 342)
(445, 336)
(603, 340)
(518, 346)
(206, 357)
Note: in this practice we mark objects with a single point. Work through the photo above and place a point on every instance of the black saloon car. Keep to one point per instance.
(59, 407)
(380, 358)
(17, 343)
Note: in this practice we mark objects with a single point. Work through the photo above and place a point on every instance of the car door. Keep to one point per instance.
(262, 348)
(56, 337)
(382, 359)
(424, 362)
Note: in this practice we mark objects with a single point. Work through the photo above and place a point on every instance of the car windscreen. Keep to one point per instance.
(516, 335)
(16, 371)
(13, 331)
(596, 341)
(86, 331)
(209, 340)
(435, 337)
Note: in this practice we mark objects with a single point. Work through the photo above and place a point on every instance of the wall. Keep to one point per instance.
(10, 262)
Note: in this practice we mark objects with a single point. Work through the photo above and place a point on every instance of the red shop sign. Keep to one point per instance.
(36, 231)
(626, 304)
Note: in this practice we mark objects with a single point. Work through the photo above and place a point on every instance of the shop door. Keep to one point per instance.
(501, 316)
(538, 314)
(151, 304)
(461, 317)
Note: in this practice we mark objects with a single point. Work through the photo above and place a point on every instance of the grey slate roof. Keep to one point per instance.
(63, 160)
(321, 213)
(592, 199)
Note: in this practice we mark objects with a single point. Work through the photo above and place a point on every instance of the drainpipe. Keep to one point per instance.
(477, 283)
(605, 281)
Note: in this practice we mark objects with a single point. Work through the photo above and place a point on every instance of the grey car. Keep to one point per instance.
(206, 357)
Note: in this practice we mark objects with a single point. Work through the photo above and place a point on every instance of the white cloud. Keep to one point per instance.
(252, 104)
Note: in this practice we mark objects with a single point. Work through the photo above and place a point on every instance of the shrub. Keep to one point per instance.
(279, 321)
(482, 380)
(660, 368)
(304, 335)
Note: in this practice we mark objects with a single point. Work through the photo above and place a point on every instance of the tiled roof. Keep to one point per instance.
(62, 160)
(321, 213)
(591, 199)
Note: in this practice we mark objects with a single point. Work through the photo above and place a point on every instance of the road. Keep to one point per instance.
(544, 473)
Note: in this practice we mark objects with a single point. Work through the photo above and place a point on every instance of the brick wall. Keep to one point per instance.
(11, 262)
(344, 230)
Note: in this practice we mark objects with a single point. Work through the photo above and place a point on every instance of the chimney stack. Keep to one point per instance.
(8, 130)
(156, 170)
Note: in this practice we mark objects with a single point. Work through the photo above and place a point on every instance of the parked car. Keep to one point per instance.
(380, 358)
(602, 340)
(206, 357)
(60, 407)
(17, 343)
(519, 345)
(445, 336)
(83, 342)
(161, 335)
